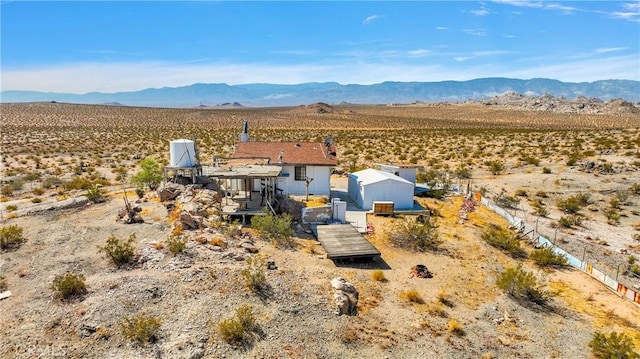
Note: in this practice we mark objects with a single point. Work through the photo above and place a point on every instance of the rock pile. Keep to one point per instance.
(345, 296)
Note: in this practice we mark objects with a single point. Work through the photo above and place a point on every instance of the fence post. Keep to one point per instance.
(618, 270)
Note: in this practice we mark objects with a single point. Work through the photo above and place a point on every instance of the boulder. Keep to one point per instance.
(345, 296)
(291, 207)
(189, 221)
(170, 191)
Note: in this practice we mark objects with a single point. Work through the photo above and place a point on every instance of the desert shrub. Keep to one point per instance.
(150, 174)
(521, 192)
(95, 194)
(378, 276)
(11, 207)
(455, 327)
(570, 221)
(36, 200)
(612, 215)
(495, 167)
(541, 211)
(635, 269)
(462, 172)
(505, 240)
(615, 345)
(176, 244)
(573, 204)
(3, 283)
(38, 191)
(253, 273)
(120, 252)
(413, 235)
(411, 295)
(11, 237)
(276, 229)
(631, 259)
(239, 328)
(635, 188)
(141, 328)
(545, 256)
(69, 286)
(78, 182)
(522, 284)
(503, 200)
(546, 170)
(443, 298)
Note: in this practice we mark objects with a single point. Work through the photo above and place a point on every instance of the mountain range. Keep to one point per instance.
(262, 94)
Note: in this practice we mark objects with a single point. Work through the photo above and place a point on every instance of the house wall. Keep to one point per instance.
(355, 190)
(320, 185)
(408, 173)
(400, 193)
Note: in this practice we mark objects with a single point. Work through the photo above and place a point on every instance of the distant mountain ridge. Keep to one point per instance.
(257, 95)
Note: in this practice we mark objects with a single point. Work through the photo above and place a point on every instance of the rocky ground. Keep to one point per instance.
(192, 291)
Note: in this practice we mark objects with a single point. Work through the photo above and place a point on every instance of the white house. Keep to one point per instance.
(371, 185)
(301, 163)
(407, 172)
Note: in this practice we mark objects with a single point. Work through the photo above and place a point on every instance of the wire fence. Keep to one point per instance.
(607, 273)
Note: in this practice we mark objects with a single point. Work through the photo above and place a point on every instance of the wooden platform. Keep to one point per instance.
(343, 241)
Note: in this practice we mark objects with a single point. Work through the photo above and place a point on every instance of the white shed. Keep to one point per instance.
(371, 185)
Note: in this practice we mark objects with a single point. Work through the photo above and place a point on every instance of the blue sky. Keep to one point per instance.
(80, 47)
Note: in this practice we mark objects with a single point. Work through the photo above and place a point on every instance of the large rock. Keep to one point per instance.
(345, 296)
(170, 191)
(291, 207)
(189, 221)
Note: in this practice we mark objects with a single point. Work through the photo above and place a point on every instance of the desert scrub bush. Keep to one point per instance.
(276, 229)
(573, 204)
(120, 252)
(141, 328)
(546, 170)
(503, 200)
(615, 345)
(455, 327)
(570, 221)
(11, 237)
(635, 269)
(411, 234)
(150, 174)
(505, 240)
(176, 244)
(69, 286)
(495, 167)
(411, 295)
(545, 257)
(522, 284)
(3, 283)
(36, 200)
(378, 276)
(239, 328)
(95, 194)
(11, 207)
(253, 273)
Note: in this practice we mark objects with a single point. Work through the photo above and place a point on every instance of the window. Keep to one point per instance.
(301, 173)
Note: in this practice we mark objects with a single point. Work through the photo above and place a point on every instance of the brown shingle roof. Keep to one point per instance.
(295, 153)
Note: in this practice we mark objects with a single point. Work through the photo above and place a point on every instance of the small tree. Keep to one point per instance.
(505, 240)
(615, 345)
(150, 174)
(415, 235)
(547, 257)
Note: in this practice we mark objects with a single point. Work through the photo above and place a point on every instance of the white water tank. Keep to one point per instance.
(182, 153)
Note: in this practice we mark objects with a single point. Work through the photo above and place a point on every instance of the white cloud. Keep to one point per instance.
(370, 19)
(509, 36)
(521, 3)
(609, 49)
(441, 28)
(475, 32)
(481, 12)
(490, 53)
(418, 53)
(462, 58)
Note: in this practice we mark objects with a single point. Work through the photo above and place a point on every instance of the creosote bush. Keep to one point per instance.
(95, 194)
(3, 283)
(522, 284)
(141, 328)
(176, 244)
(413, 235)
(239, 328)
(615, 345)
(412, 295)
(573, 204)
(120, 252)
(150, 174)
(254, 273)
(455, 327)
(69, 286)
(11, 237)
(505, 240)
(274, 228)
(570, 221)
(545, 256)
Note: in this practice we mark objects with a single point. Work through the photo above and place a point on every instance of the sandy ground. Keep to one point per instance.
(192, 291)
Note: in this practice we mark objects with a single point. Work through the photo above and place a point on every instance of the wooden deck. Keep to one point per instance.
(343, 241)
